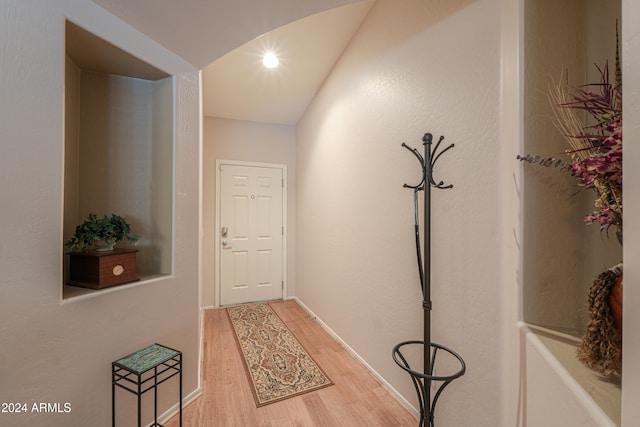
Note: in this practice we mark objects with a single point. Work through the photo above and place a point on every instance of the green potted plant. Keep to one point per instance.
(101, 234)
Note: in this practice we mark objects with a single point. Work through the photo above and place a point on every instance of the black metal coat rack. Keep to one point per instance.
(426, 379)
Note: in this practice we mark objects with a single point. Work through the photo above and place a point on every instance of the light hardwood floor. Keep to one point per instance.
(355, 399)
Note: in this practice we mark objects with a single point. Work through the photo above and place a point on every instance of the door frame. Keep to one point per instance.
(217, 234)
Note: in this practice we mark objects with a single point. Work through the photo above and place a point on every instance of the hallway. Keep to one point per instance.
(356, 398)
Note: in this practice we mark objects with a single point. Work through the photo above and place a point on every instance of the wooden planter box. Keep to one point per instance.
(98, 270)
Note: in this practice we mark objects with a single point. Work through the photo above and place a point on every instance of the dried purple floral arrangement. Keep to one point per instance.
(595, 153)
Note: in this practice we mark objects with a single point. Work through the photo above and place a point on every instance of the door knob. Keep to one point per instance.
(225, 244)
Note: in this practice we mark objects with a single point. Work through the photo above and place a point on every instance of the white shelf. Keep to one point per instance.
(605, 392)
(74, 293)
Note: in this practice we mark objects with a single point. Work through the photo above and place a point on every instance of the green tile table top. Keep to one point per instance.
(147, 358)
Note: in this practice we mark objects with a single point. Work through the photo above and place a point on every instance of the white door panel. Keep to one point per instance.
(251, 254)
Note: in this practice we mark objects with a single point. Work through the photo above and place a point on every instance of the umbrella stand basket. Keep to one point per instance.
(428, 377)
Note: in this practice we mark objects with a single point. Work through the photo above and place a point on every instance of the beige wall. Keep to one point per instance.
(226, 139)
(55, 352)
(352, 133)
(413, 67)
(387, 91)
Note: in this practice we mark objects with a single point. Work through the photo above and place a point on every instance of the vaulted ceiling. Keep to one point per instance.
(202, 31)
(238, 86)
(225, 38)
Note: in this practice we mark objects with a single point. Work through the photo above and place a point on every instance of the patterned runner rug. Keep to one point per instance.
(278, 366)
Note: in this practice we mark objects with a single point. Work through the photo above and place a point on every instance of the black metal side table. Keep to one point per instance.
(142, 371)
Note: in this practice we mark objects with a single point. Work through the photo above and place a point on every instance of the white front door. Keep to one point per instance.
(251, 233)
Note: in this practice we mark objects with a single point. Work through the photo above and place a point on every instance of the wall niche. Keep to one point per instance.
(119, 147)
(563, 39)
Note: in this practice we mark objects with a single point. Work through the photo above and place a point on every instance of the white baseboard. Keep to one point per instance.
(172, 411)
(404, 402)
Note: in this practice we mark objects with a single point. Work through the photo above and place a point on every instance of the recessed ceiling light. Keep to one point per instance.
(270, 60)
